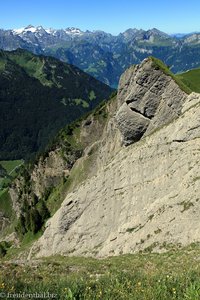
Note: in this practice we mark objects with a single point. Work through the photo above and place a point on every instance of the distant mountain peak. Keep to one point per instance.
(131, 30)
(18, 31)
(140, 34)
(156, 31)
(29, 26)
(40, 29)
(73, 30)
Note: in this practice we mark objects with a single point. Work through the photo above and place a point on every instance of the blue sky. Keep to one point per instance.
(112, 16)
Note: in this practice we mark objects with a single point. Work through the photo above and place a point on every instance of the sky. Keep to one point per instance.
(114, 16)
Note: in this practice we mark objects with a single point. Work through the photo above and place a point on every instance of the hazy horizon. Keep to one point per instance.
(93, 30)
(110, 16)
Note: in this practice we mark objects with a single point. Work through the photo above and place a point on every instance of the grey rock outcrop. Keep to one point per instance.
(148, 98)
(38, 182)
(49, 171)
(141, 197)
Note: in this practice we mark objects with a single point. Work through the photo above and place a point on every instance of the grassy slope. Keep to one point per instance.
(40, 95)
(188, 81)
(191, 79)
(172, 275)
(11, 169)
(32, 65)
(10, 165)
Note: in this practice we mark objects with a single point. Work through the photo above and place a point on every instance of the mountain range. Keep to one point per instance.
(103, 55)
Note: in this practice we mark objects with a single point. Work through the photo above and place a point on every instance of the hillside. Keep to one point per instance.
(39, 95)
(142, 197)
(123, 179)
(8, 171)
(2, 171)
(172, 275)
(120, 184)
(103, 55)
(191, 78)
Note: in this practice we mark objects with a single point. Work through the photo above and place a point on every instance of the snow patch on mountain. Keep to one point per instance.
(73, 30)
(40, 30)
(29, 28)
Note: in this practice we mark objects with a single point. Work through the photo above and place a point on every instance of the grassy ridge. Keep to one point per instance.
(183, 86)
(172, 275)
(191, 79)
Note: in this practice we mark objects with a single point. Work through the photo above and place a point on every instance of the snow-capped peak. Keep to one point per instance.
(73, 30)
(50, 31)
(40, 30)
(18, 31)
(29, 28)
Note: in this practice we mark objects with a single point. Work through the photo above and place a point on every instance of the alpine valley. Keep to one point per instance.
(103, 55)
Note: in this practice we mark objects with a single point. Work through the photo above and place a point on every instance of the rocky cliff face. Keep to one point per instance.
(144, 196)
(36, 183)
(148, 98)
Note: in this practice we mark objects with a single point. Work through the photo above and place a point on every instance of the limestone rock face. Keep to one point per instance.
(148, 98)
(145, 198)
(132, 124)
(48, 172)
